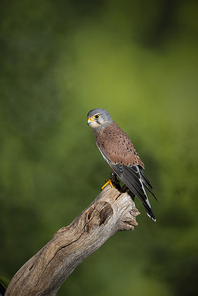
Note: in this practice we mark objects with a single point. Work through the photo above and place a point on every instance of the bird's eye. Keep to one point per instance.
(96, 116)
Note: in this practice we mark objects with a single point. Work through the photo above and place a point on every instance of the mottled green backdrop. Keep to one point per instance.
(138, 60)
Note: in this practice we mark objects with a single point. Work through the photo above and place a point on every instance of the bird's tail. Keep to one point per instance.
(145, 182)
(149, 210)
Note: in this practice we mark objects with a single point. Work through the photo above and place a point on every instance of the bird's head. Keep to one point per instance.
(98, 118)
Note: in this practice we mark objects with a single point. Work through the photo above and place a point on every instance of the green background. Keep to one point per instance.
(137, 59)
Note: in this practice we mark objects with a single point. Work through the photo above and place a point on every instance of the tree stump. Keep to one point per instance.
(45, 272)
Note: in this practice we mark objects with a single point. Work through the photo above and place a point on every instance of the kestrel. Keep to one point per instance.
(119, 152)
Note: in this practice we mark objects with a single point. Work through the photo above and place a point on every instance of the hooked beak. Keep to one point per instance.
(90, 120)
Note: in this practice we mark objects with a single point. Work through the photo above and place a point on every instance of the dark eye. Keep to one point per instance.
(96, 116)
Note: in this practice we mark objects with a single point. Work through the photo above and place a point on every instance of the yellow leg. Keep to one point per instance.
(108, 181)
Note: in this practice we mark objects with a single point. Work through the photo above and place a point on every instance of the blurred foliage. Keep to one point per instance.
(138, 60)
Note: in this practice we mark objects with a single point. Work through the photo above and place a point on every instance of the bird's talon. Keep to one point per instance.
(108, 182)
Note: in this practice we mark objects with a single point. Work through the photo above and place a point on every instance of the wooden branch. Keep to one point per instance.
(46, 271)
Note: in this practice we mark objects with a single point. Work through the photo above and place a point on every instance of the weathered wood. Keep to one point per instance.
(46, 271)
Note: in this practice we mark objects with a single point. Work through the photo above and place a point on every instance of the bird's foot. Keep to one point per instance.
(108, 182)
(112, 181)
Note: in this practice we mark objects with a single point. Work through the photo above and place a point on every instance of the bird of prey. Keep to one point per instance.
(119, 152)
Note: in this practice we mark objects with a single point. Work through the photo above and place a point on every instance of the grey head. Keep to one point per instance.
(99, 118)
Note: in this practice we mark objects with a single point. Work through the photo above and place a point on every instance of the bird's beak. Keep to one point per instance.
(90, 120)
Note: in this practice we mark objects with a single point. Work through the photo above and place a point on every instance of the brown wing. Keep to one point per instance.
(116, 146)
